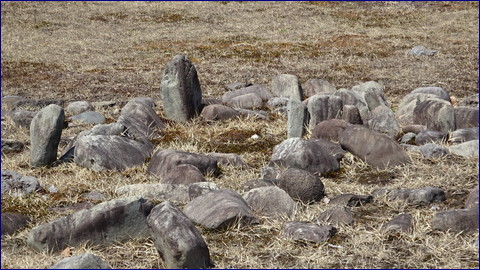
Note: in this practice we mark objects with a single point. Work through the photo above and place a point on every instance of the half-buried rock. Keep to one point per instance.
(310, 232)
(301, 185)
(178, 241)
(220, 209)
(183, 174)
(108, 222)
(110, 153)
(270, 201)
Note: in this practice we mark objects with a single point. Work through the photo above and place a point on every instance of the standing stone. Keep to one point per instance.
(351, 115)
(323, 107)
(83, 261)
(180, 90)
(351, 98)
(297, 118)
(45, 133)
(383, 120)
(178, 241)
(317, 86)
(287, 85)
(372, 94)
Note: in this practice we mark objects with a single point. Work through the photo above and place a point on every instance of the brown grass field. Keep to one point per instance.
(99, 51)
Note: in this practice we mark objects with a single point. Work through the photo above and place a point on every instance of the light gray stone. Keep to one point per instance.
(277, 102)
(351, 98)
(438, 91)
(466, 117)
(287, 85)
(317, 86)
(323, 107)
(178, 242)
(246, 101)
(408, 104)
(408, 138)
(105, 223)
(466, 149)
(18, 185)
(382, 119)
(180, 90)
(228, 159)
(218, 112)
(270, 201)
(421, 50)
(78, 107)
(89, 117)
(258, 89)
(433, 150)
(464, 135)
(372, 93)
(297, 118)
(82, 261)
(45, 133)
(310, 232)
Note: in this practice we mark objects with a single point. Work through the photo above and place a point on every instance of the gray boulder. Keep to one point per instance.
(466, 149)
(422, 51)
(417, 196)
(464, 135)
(228, 159)
(297, 118)
(433, 150)
(110, 152)
(435, 114)
(78, 107)
(140, 119)
(457, 220)
(323, 107)
(17, 185)
(89, 117)
(376, 149)
(82, 261)
(165, 159)
(351, 114)
(183, 174)
(336, 216)
(180, 90)
(352, 98)
(107, 222)
(45, 133)
(330, 130)
(400, 223)
(220, 209)
(178, 242)
(472, 199)
(382, 119)
(437, 91)
(431, 136)
(317, 86)
(218, 112)
(270, 201)
(351, 200)
(408, 104)
(304, 154)
(12, 222)
(258, 89)
(287, 85)
(372, 93)
(301, 185)
(310, 232)
(466, 117)
(246, 101)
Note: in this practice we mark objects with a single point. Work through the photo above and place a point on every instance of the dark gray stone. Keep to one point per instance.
(466, 149)
(165, 159)
(330, 130)
(457, 220)
(82, 261)
(17, 185)
(183, 174)
(435, 114)
(78, 107)
(228, 159)
(351, 114)
(180, 90)
(432, 150)
(178, 242)
(336, 216)
(45, 133)
(323, 107)
(351, 200)
(417, 196)
(297, 118)
(464, 135)
(141, 120)
(287, 85)
(376, 149)
(310, 232)
(431, 136)
(400, 223)
(421, 51)
(466, 117)
(220, 209)
(317, 86)
(218, 112)
(108, 222)
(304, 154)
(270, 201)
(301, 185)
(110, 153)
(89, 117)
(12, 222)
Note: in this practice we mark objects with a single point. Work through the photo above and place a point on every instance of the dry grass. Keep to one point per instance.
(99, 51)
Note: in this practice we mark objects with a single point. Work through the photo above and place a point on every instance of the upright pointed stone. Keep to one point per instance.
(45, 133)
(297, 118)
(287, 85)
(180, 90)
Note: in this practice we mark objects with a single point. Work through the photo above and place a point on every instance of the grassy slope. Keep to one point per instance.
(114, 51)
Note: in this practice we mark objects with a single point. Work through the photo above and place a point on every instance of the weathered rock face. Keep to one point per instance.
(171, 192)
(458, 220)
(437, 91)
(417, 196)
(374, 148)
(109, 152)
(372, 93)
(382, 119)
(351, 200)
(297, 118)
(78, 107)
(183, 174)
(466, 117)
(323, 107)
(12, 222)
(408, 104)
(351, 115)
(301, 185)
(228, 159)
(178, 241)
(258, 89)
(303, 154)
(466, 149)
(17, 185)
(351, 98)
(88, 117)
(83, 261)
(220, 209)
(165, 159)
(330, 130)
(107, 222)
(317, 86)
(246, 101)
(140, 119)
(432, 150)
(430, 136)
(338, 215)
(270, 201)
(180, 90)
(464, 135)
(435, 114)
(45, 133)
(298, 230)
(287, 85)
(400, 223)
(218, 112)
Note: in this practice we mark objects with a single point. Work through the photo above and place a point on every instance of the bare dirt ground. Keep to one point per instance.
(99, 51)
